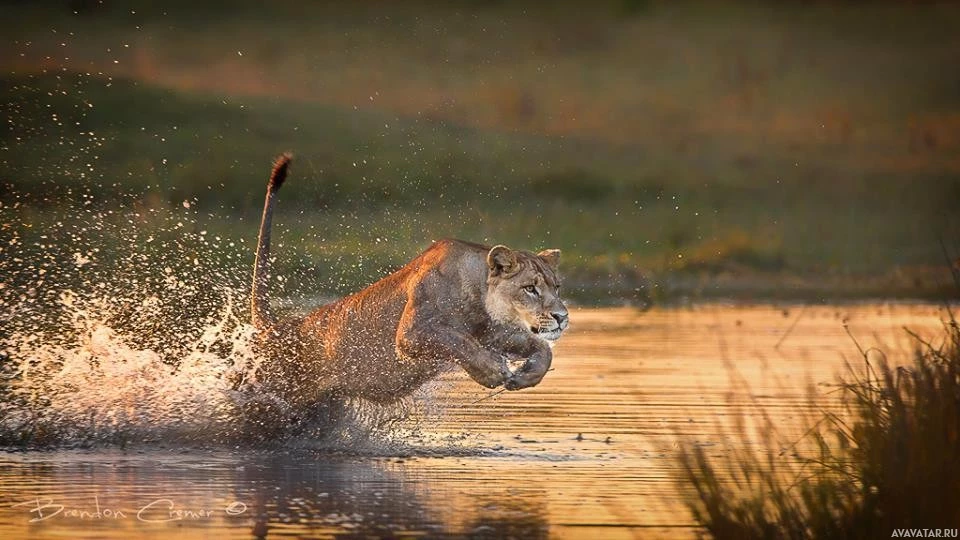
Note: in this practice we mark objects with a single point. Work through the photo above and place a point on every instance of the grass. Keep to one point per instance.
(888, 459)
(668, 149)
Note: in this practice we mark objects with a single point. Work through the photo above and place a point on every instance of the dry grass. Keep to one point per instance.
(888, 458)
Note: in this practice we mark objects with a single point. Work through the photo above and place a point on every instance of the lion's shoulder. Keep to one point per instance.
(453, 248)
(450, 258)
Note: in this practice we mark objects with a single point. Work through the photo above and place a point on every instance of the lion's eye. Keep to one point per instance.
(532, 290)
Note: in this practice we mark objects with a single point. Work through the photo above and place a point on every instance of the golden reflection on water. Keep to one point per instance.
(588, 453)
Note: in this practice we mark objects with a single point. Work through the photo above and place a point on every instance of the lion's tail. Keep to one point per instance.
(262, 316)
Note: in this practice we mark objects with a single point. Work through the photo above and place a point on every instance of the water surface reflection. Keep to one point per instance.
(588, 453)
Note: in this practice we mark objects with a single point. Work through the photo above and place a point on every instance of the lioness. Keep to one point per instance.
(458, 302)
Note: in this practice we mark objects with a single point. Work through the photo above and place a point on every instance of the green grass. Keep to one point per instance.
(659, 146)
(889, 459)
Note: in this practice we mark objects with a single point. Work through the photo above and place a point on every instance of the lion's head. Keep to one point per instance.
(523, 290)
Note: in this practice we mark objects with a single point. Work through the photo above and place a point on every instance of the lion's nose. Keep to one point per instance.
(562, 319)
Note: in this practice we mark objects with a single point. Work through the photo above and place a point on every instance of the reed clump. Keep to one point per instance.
(886, 459)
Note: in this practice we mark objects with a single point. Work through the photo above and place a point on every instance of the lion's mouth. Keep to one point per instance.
(549, 334)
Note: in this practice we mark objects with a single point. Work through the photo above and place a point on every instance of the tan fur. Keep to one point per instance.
(456, 303)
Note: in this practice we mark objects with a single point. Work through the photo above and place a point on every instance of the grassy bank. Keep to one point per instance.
(670, 151)
(886, 459)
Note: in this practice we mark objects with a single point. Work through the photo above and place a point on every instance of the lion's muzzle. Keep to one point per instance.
(552, 327)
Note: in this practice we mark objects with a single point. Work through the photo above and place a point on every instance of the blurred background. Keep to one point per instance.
(672, 150)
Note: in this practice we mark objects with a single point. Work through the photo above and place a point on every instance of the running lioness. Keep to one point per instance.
(457, 302)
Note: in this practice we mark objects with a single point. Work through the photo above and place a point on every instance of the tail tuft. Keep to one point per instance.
(279, 173)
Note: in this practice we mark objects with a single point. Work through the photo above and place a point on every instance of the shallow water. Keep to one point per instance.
(589, 453)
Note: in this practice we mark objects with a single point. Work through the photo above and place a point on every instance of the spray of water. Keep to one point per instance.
(129, 327)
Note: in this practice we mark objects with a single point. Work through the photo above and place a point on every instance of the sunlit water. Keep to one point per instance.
(122, 333)
(591, 452)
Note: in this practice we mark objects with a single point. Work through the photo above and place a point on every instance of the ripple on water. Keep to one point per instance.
(589, 452)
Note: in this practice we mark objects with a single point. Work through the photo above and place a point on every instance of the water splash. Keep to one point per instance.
(98, 386)
(129, 327)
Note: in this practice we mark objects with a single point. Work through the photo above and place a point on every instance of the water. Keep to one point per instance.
(591, 452)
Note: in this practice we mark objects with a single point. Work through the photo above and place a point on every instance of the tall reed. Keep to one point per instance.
(888, 459)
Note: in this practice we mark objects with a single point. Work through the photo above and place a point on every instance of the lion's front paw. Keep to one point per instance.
(492, 373)
(491, 380)
(530, 373)
(523, 379)
(520, 381)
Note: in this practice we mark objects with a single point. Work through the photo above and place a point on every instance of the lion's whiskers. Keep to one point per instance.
(544, 323)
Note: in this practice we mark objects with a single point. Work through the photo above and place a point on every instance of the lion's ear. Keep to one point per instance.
(502, 260)
(551, 257)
